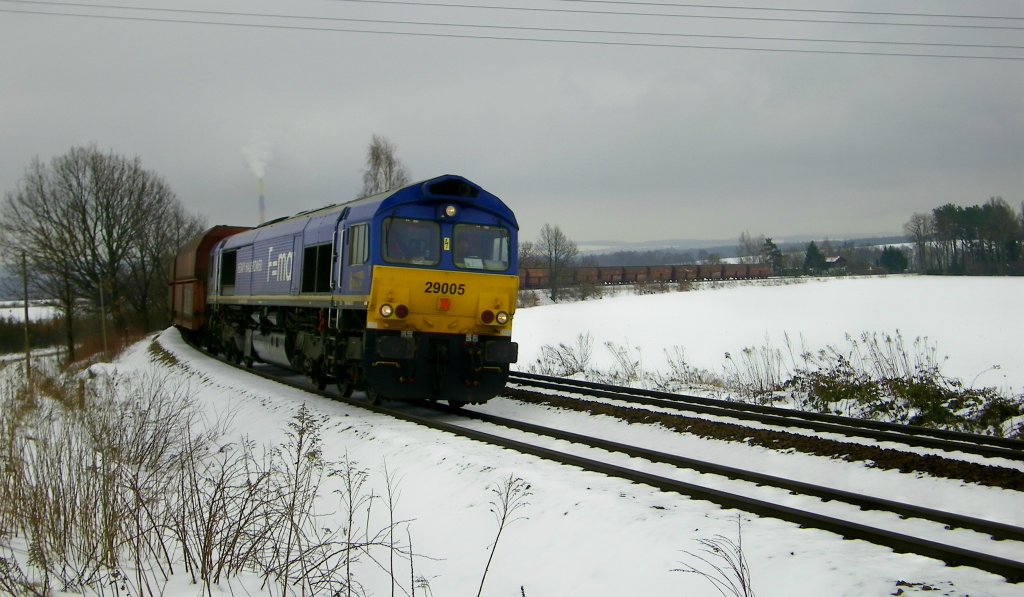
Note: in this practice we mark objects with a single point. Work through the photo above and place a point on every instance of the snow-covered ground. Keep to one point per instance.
(978, 323)
(586, 534)
(37, 310)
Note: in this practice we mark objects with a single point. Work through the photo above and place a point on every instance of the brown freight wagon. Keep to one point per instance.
(533, 277)
(609, 275)
(189, 274)
(585, 275)
(635, 274)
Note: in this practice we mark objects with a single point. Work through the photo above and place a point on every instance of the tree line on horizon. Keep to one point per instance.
(786, 258)
(983, 239)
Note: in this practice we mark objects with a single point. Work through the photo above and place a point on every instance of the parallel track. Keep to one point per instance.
(956, 556)
(952, 441)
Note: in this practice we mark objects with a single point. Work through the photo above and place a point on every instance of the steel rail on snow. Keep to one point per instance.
(954, 441)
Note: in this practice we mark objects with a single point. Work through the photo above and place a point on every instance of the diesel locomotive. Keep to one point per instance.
(408, 294)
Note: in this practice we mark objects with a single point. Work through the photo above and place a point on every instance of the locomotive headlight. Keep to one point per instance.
(401, 311)
(487, 316)
(386, 310)
(501, 318)
(450, 211)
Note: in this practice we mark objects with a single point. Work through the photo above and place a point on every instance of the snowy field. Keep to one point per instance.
(585, 534)
(16, 310)
(976, 324)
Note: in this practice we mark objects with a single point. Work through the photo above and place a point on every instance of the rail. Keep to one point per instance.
(953, 441)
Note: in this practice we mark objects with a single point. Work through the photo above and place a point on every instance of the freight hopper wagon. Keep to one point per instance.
(409, 294)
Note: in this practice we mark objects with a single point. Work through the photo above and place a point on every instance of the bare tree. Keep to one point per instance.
(528, 256)
(749, 247)
(83, 220)
(557, 252)
(384, 171)
(34, 223)
(919, 230)
(162, 234)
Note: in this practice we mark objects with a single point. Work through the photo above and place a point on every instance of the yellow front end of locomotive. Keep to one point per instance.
(439, 301)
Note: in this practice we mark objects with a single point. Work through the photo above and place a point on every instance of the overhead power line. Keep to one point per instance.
(279, 26)
(814, 10)
(676, 15)
(219, 13)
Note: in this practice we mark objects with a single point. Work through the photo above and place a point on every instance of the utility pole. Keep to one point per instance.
(28, 346)
(103, 321)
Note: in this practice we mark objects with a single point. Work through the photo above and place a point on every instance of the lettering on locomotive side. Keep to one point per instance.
(248, 267)
(279, 268)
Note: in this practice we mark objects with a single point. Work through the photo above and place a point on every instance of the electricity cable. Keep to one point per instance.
(502, 38)
(675, 15)
(511, 27)
(815, 10)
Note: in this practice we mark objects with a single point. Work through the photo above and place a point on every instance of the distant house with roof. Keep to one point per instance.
(836, 263)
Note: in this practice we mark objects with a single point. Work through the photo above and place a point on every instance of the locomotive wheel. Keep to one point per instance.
(374, 397)
(345, 387)
(457, 403)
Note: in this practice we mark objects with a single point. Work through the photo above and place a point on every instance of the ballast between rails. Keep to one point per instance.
(982, 445)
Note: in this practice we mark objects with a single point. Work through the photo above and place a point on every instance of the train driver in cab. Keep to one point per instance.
(462, 251)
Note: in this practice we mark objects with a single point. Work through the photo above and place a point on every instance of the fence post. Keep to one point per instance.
(28, 346)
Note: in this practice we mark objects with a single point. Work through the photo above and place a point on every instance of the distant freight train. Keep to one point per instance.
(644, 274)
(406, 294)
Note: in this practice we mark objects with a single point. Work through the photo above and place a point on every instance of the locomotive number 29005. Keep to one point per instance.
(444, 288)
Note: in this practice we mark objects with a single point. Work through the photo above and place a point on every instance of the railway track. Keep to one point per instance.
(950, 441)
(599, 455)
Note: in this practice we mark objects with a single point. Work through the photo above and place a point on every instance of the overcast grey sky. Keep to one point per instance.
(606, 140)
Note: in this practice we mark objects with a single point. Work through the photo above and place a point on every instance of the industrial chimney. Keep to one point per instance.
(263, 204)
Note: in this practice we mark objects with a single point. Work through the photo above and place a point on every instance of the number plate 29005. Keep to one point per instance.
(444, 288)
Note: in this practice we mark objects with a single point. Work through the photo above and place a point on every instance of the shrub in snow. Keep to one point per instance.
(876, 376)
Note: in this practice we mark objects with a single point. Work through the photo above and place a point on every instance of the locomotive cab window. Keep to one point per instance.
(358, 244)
(481, 247)
(409, 241)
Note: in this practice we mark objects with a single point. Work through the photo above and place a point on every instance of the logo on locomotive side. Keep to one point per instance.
(279, 268)
(248, 267)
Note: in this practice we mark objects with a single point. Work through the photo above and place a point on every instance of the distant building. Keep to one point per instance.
(837, 262)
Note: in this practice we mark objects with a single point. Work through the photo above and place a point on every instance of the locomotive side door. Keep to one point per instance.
(353, 269)
(296, 265)
(338, 252)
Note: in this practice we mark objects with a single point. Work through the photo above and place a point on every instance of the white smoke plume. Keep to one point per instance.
(257, 154)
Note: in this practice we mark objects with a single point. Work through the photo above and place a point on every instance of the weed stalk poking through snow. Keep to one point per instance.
(509, 498)
(724, 566)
